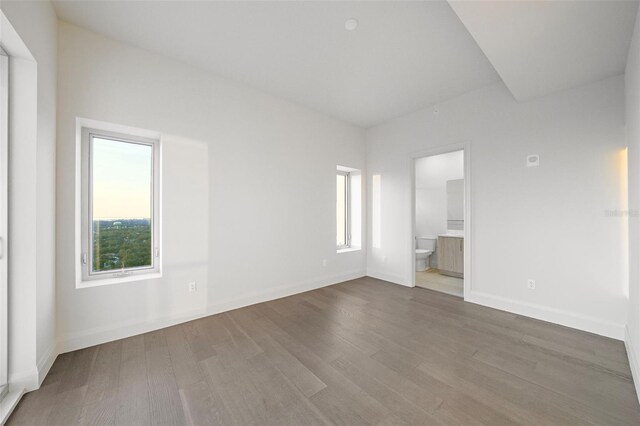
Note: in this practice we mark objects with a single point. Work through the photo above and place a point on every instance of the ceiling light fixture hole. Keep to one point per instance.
(351, 24)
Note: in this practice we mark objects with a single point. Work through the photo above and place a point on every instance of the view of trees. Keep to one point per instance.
(121, 243)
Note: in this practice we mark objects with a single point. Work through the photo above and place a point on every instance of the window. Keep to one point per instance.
(120, 205)
(375, 211)
(348, 209)
(342, 209)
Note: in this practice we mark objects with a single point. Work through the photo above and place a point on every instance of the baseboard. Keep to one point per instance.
(556, 316)
(122, 330)
(24, 381)
(8, 404)
(21, 383)
(392, 278)
(94, 337)
(634, 362)
(46, 361)
(280, 292)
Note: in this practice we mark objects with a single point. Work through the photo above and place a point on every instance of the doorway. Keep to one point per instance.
(440, 220)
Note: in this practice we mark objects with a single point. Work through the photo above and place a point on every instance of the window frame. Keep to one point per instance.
(89, 277)
(347, 209)
(4, 214)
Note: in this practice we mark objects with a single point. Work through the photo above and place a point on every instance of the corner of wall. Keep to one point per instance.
(392, 278)
(30, 380)
(632, 107)
(25, 381)
(634, 362)
(46, 362)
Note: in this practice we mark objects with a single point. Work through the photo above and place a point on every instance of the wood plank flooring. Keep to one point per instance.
(360, 352)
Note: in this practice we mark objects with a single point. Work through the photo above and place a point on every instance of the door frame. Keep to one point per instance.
(468, 255)
(4, 199)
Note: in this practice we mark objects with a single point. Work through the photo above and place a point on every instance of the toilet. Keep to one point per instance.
(425, 246)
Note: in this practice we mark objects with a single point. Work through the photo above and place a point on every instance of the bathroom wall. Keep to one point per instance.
(432, 174)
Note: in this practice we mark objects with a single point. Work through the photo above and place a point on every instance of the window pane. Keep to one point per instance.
(375, 211)
(341, 210)
(121, 205)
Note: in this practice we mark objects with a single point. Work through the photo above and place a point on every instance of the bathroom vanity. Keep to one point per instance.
(451, 255)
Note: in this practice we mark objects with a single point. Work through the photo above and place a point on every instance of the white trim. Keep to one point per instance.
(74, 341)
(125, 133)
(31, 380)
(468, 255)
(348, 250)
(556, 316)
(87, 140)
(46, 362)
(392, 278)
(347, 209)
(119, 280)
(26, 381)
(8, 404)
(4, 223)
(634, 362)
(23, 114)
(346, 169)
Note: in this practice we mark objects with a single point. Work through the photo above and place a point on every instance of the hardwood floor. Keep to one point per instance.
(360, 352)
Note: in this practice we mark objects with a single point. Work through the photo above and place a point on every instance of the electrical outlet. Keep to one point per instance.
(531, 284)
(533, 160)
(192, 287)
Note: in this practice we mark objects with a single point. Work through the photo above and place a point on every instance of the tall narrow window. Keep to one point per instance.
(375, 211)
(343, 234)
(120, 205)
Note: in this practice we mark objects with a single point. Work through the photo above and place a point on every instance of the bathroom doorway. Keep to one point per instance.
(439, 221)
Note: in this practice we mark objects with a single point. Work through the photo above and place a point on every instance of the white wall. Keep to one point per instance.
(32, 194)
(432, 174)
(258, 204)
(546, 223)
(632, 91)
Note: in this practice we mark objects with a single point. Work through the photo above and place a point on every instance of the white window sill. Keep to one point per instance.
(118, 280)
(349, 249)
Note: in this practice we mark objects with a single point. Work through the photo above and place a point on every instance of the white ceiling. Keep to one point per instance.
(540, 47)
(403, 56)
